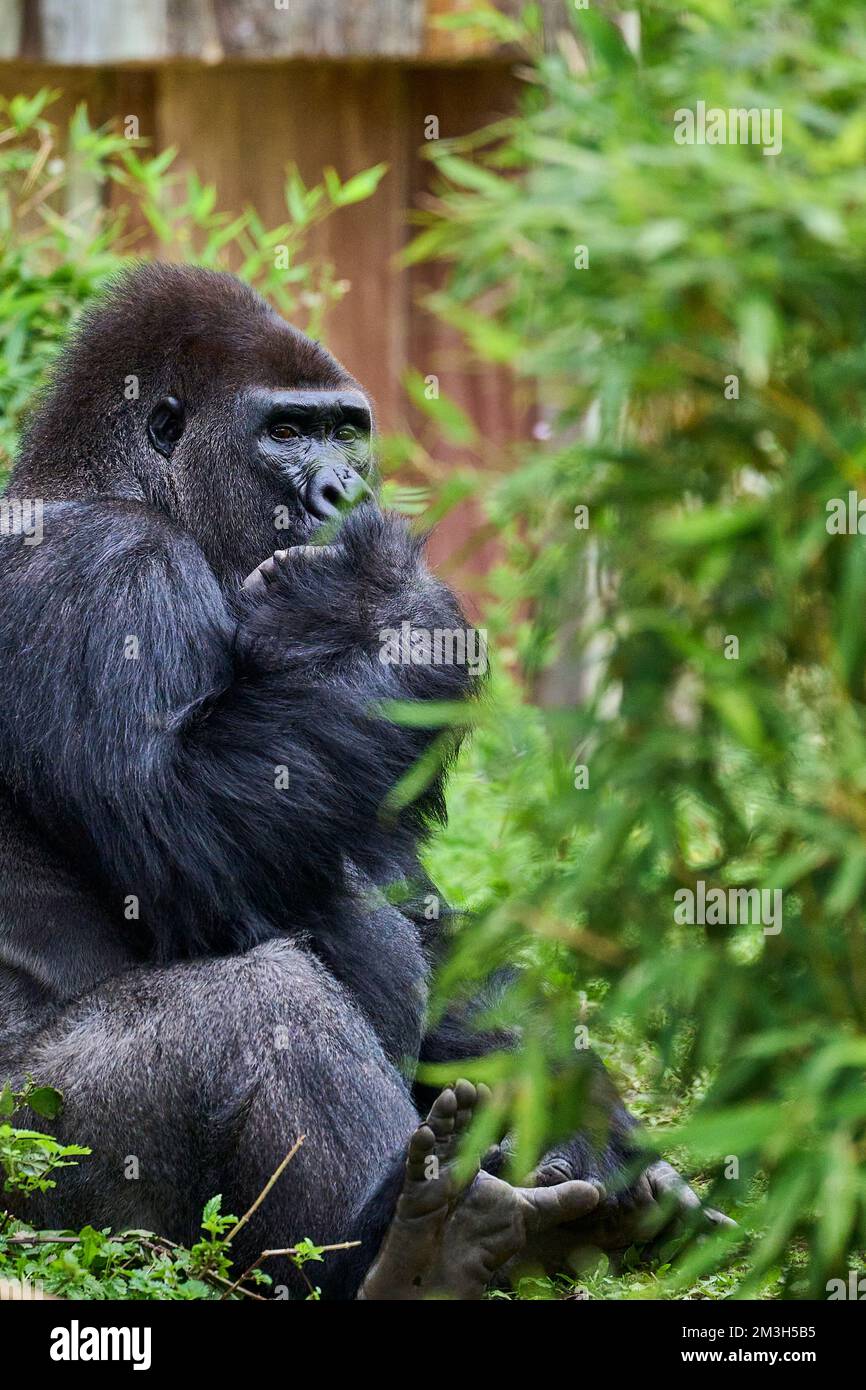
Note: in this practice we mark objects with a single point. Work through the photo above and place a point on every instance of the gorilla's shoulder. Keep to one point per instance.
(89, 537)
(92, 520)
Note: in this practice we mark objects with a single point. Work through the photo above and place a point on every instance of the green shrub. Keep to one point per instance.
(696, 639)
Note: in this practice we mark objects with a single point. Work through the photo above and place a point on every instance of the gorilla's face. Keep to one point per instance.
(284, 462)
(243, 430)
(315, 444)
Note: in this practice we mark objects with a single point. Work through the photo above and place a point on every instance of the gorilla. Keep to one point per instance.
(199, 832)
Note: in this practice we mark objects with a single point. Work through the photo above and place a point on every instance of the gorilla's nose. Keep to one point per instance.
(333, 489)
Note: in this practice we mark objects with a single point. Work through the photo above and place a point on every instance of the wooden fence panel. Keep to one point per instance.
(241, 129)
(485, 392)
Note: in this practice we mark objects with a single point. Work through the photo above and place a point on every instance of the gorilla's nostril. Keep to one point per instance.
(329, 492)
(322, 499)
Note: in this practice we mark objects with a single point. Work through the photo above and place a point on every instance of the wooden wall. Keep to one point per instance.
(239, 125)
(244, 87)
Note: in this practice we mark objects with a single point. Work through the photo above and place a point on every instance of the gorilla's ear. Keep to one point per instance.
(166, 424)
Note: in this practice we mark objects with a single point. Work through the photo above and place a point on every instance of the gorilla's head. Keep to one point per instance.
(183, 389)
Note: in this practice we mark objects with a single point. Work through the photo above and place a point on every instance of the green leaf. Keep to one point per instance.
(45, 1100)
(455, 424)
(359, 187)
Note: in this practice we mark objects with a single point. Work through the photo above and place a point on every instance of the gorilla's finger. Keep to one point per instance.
(678, 1233)
(264, 574)
(466, 1100)
(673, 1210)
(643, 1193)
(466, 1094)
(261, 576)
(310, 552)
(666, 1182)
(552, 1172)
(421, 1145)
(655, 1223)
(493, 1160)
(718, 1218)
(552, 1206)
(443, 1114)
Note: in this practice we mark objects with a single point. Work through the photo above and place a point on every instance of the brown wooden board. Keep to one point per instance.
(464, 100)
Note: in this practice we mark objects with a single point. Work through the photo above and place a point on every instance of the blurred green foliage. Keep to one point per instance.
(739, 764)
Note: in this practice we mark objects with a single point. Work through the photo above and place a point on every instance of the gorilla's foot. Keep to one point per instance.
(493, 1222)
(444, 1243)
(412, 1247)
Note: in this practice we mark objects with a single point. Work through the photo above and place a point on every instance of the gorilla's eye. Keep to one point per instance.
(282, 430)
(347, 434)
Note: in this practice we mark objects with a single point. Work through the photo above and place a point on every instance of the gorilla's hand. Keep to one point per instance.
(262, 577)
(320, 603)
(658, 1207)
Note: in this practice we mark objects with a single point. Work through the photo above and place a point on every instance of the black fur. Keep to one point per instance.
(203, 962)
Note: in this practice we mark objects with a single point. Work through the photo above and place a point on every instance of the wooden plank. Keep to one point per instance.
(109, 94)
(463, 100)
(241, 131)
(320, 28)
(11, 28)
(103, 32)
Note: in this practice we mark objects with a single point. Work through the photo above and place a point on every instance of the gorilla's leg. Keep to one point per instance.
(197, 1078)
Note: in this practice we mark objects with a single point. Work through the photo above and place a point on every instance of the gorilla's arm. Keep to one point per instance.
(603, 1150)
(167, 730)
